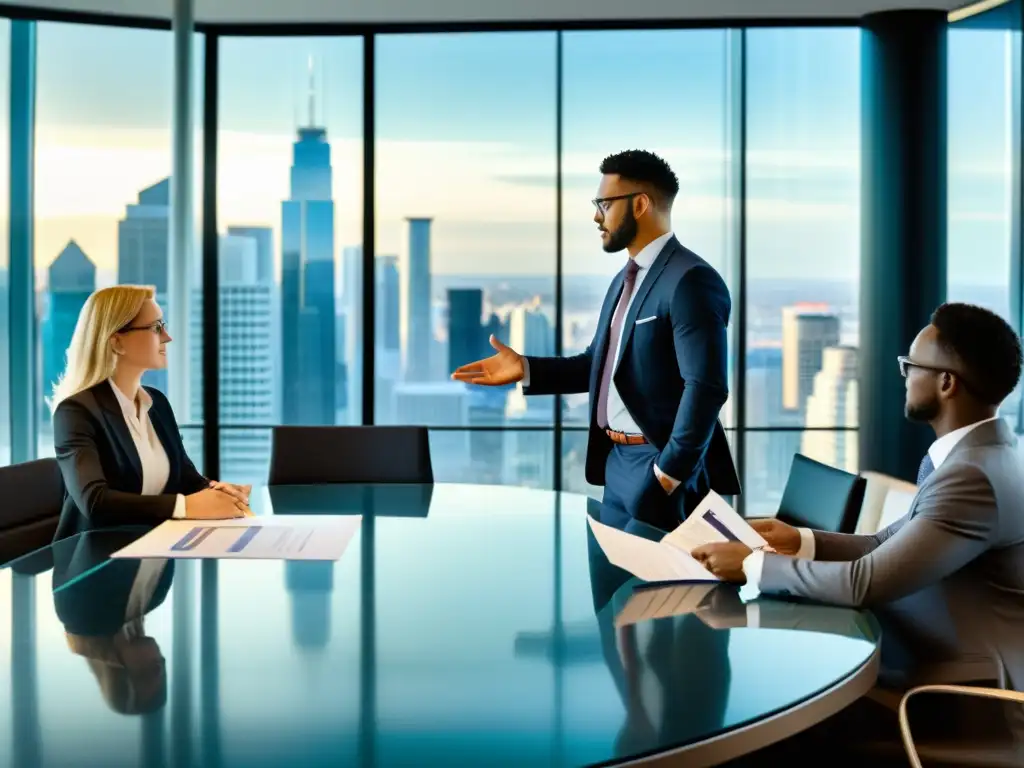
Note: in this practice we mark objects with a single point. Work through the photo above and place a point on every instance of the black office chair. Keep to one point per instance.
(821, 497)
(31, 497)
(306, 455)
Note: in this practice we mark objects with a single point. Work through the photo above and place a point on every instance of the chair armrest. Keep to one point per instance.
(966, 690)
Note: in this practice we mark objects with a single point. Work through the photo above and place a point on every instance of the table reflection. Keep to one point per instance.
(104, 623)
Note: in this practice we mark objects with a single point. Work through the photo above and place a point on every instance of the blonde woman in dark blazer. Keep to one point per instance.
(117, 442)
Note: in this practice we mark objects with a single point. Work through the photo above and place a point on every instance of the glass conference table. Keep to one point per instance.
(465, 625)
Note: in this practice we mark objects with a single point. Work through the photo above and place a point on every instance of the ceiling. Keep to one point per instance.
(447, 11)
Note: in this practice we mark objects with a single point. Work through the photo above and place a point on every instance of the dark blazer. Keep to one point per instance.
(101, 467)
(672, 373)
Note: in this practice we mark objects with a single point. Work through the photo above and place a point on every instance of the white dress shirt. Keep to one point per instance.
(619, 418)
(754, 562)
(156, 468)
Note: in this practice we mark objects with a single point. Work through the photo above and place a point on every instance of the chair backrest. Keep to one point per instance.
(878, 498)
(304, 455)
(33, 494)
(821, 497)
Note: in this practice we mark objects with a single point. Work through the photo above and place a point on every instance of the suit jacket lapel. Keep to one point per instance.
(115, 420)
(641, 293)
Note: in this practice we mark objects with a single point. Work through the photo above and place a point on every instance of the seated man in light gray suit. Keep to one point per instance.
(962, 542)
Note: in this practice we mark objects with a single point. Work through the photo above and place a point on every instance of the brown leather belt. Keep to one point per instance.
(623, 438)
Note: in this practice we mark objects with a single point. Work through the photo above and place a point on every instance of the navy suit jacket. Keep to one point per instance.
(672, 372)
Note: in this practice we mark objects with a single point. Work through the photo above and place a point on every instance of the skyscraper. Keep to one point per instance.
(466, 337)
(142, 238)
(72, 277)
(806, 330)
(264, 237)
(833, 402)
(418, 336)
(388, 309)
(308, 321)
(388, 354)
(530, 333)
(349, 355)
(248, 375)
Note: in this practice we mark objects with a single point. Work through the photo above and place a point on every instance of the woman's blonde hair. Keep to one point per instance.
(90, 358)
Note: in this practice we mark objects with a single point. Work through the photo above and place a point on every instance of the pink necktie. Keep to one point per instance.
(613, 342)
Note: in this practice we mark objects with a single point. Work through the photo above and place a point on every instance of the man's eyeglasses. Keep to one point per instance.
(906, 364)
(159, 328)
(604, 203)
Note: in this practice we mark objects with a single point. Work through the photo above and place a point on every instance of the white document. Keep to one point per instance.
(713, 521)
(291, 537)
(663, 602)
(645, 559)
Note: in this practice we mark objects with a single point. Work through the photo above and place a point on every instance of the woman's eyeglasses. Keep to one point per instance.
(159, 328)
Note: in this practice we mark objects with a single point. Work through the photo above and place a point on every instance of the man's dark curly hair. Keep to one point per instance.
(985, 344)
(644, 168)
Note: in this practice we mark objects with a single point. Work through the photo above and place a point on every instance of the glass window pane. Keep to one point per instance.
(686, 120)
(465, 222)
(5, 104)
(979, 146)
(983, 73)
(803, 228)
(103, 193)
(290, 215)
(769, 456)
(494, 456)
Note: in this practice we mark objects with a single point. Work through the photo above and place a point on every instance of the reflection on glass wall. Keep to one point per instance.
(803, 248)
(466, 165)
(103, 191)
(290, 218)
(678, 108)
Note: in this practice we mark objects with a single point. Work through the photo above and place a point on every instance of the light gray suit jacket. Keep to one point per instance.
(959, 549)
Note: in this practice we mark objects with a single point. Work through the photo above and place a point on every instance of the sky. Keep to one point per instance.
(466, 134)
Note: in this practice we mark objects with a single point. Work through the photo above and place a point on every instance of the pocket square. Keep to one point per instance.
(646, 319)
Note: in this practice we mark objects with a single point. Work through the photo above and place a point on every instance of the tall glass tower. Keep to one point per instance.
(307, 282)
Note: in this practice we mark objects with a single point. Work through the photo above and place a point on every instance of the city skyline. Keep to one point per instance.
(466, 139)
(119, 139)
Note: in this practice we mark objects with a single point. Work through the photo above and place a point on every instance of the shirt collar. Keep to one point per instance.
(941, 448)
(650, 252)
(127, 406)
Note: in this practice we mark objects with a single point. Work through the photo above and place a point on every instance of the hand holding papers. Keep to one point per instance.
(669, 559)
(649, 560)
(714, 521)
(264, 538)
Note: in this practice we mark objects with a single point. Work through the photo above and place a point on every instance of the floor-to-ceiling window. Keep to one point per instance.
(665, 91)
(5, 101)
(290, 208)
(981, 77)
(103, 152)
(466, 160)
(803, 254)
(466, 217)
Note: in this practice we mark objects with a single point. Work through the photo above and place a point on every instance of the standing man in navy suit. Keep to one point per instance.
(656, 370)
